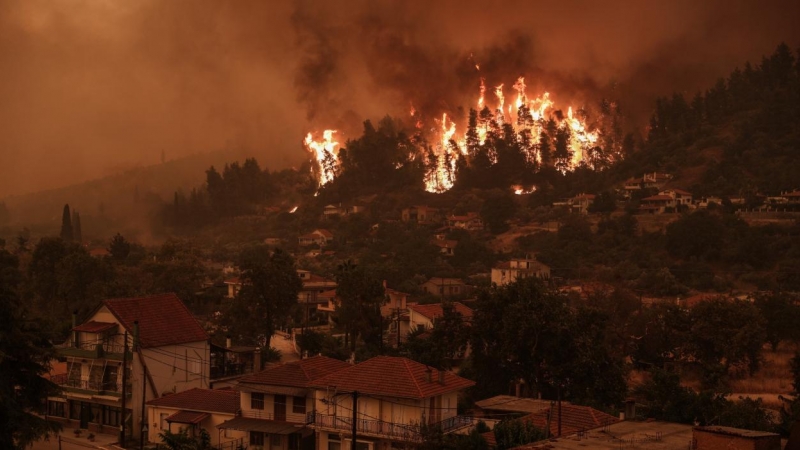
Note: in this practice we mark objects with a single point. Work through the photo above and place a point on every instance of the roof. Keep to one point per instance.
(325, 233)
(640, 434)
(95, 327)
(584, 196)
(681, 191)
(694, 300)
(514, 404)
(264, 426)
(394, 377)
(190, 417)
(445, 243)
(296, 373)
(435, 310)
(536, 266)
(233, 280)
(574, 418)
(204, 400)
(390, 291)
(736, 432)
(163, 319)
(445, 281)
(654, 198)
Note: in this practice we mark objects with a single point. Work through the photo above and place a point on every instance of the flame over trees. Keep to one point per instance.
(529, 132)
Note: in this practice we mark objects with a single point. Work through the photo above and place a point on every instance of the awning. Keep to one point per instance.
(189, 417)
(264, 426)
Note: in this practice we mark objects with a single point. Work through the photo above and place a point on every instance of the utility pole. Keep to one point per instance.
(124, 389)
(137, 344)
(355, 419)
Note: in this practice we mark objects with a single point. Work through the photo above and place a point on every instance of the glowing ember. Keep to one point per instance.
(293, 210)
(325, 154)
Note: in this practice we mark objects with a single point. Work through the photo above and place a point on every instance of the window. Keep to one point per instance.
(257, 402)
(74, 410)
(256, 438)
(111, 416)
(56, 409)
(299, 405)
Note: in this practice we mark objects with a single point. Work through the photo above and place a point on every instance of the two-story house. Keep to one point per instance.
(168, 352)
(193, 411)
(420, 214)
(517, 268)
(390, 399)
(275, 403)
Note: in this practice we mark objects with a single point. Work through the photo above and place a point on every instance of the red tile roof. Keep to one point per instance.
(205, 400)
(393, 377)
(190, 417)
(654, 198)
(681, 191)
(297, 373)
(574, 418)
(163, 319)
(324, 233)
(95, 327)
(434, 310)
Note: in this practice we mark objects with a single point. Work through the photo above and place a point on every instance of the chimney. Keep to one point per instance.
(441, 377)
(228, 341)
(257, 360)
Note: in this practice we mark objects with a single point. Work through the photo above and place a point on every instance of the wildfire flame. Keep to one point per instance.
(293, 210)
(532, 116)
(325, 154)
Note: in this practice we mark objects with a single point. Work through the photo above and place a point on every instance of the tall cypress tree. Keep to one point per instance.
(66, 225)
(76, 227)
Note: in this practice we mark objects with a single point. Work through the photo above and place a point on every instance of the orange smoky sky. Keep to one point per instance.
(89, 88)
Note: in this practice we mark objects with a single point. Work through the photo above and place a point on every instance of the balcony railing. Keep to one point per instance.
(98, 386)
(399, 431)
(93, 350)
(256, 414)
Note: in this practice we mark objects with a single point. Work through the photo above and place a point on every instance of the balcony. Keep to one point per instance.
(379, 428)
(88, 386)
(93, 350)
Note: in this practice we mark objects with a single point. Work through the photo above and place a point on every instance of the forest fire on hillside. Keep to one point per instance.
(532, 121)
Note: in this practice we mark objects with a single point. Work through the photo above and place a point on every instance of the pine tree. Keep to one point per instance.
(76, 227)
(66, 225)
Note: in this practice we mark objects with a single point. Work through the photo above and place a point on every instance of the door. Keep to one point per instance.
(280, 407)
(86, 414)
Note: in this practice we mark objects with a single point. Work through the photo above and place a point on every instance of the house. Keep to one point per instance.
(230, 362)
(234, 285)
(471, 221)
(682, 198)
(655, 180)
(424, 316)
(792, 198)
(275, 404)
(502, 405)
(581, 203)
(704, 202)
(273, 241)
(333, 211)
(446, 247)
(195, 410)
(445, 287)
(714, 437)
(643, 435)
(632, 185)
(569, 419)
(420, 214)
(391, 397)
(167, 352)
(395, 301)
(657, 204)
(321, 237)
(515, 269)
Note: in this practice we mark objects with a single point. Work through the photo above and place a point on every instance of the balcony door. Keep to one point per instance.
(280, 407)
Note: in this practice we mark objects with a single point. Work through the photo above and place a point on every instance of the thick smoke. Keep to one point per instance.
(90, 88)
